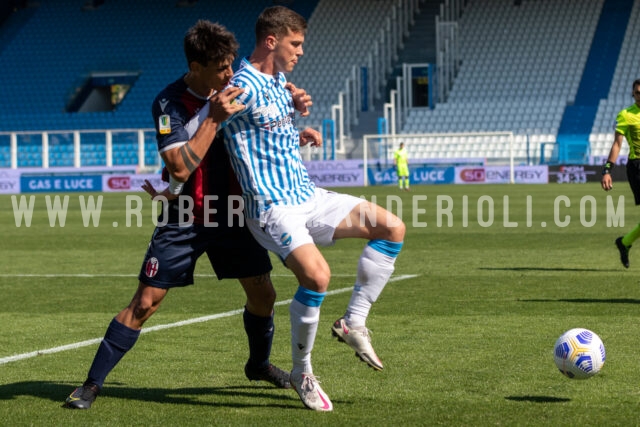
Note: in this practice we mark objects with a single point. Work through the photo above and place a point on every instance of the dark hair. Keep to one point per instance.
(636, 82)
(209, 41)
(278, 21)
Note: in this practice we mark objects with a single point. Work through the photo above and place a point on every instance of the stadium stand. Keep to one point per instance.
(60, 44)
(619, 94)
(552, 77)
(573, 134)
(525, 86)
(49, 48)
(340, 36)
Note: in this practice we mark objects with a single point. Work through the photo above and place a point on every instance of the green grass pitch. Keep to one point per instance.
(488, 278)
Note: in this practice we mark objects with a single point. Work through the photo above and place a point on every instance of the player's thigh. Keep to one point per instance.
(371, 221)
(330, 210)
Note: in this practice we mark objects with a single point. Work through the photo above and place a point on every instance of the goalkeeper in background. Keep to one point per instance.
(627, 126)
(401, 161)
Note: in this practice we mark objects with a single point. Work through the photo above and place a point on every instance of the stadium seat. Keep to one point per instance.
(101, 40)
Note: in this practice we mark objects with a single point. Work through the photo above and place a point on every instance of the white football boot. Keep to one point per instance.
(359, 340)
(310, 392)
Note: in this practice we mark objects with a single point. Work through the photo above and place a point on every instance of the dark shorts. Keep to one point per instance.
(174, 250)
(633, 176)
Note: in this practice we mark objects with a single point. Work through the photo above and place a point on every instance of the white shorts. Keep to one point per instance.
(284, 228)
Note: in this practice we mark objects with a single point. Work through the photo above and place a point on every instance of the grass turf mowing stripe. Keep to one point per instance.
(201, 319)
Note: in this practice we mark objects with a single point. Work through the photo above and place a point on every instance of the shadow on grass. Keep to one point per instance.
(547, 269)
(586, 300)
(538, 399)
(58, 392)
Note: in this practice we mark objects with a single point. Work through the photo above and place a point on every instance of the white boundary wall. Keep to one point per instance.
(439, 148)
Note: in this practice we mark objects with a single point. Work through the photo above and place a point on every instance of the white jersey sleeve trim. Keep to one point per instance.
(172, 146)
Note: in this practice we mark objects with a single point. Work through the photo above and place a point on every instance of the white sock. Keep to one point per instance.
(374, 270)
(304, 314)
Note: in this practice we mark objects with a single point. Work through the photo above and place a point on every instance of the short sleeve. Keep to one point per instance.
(621, 123)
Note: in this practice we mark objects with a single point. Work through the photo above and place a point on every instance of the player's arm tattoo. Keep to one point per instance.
(187, 155)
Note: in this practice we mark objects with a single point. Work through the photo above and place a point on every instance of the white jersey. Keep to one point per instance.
(264, 144)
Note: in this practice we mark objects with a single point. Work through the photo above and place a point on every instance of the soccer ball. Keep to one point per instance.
(579, 353)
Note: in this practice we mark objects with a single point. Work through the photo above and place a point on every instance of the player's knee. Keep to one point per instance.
(310, 267)
(140, 313)
(393, 229)
(320, 279)
(143, 307)
(259, 290)
(315, 279)
(270, 297)
(388, 226)
(143, 311)
(266, 299)
(397, 231)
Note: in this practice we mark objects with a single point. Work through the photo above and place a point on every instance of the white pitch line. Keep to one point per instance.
(86, 343)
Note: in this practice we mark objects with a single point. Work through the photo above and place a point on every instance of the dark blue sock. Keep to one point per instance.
(260, 333)
(116, 342)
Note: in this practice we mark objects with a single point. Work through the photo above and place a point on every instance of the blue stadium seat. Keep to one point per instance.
(101, 40)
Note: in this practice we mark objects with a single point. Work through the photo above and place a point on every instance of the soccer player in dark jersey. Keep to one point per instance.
(199, 171)
(627, 127)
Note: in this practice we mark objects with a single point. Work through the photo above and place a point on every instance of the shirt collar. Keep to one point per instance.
(277, 80)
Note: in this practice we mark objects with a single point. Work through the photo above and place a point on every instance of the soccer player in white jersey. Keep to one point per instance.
(288, 215)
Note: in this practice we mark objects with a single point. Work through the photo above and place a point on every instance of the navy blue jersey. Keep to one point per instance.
(174, 249)
(174, 113)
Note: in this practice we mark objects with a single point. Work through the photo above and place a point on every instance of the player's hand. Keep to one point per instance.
(224, 103)
(301, 99)
(607, 182)
(310, 136)
(150, 189)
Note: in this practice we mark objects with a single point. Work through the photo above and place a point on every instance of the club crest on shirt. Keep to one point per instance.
(285, 239)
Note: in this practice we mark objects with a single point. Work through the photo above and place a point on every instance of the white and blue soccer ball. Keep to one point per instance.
(579, 353)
